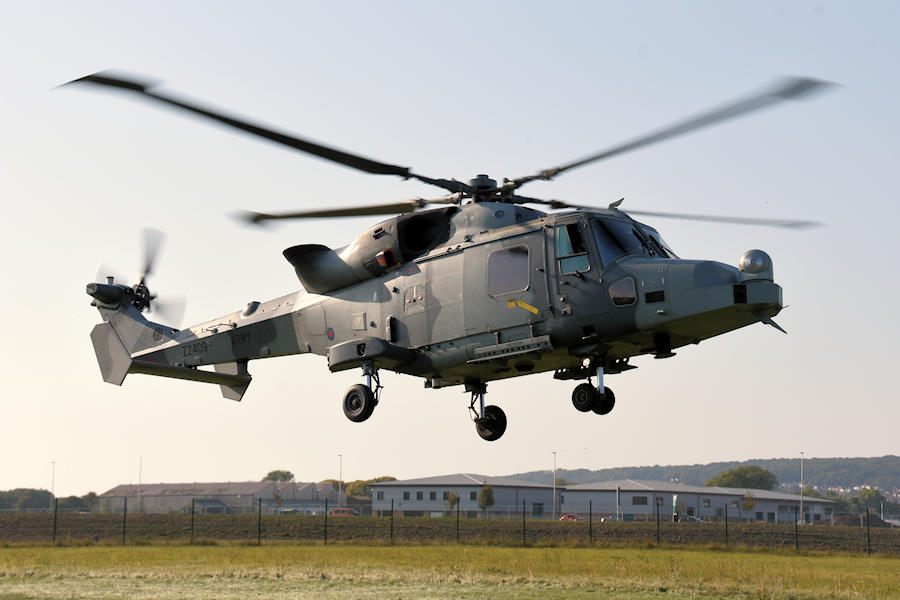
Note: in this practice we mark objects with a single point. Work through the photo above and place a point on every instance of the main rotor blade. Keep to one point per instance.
(345, 158)
(786, 223)
(394, 208)
(787, 89)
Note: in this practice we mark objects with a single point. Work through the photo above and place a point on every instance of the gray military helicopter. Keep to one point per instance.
(479, 289)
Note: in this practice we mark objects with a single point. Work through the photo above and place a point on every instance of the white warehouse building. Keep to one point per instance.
(625, 499)
(427, 496)
(629, 499)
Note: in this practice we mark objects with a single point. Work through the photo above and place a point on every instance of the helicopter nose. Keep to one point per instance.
(685, 275)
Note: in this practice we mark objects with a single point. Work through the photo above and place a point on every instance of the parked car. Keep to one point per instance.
(571, 517)
(344, 511)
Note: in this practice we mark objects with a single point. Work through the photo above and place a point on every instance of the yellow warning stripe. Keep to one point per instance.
(520, 304)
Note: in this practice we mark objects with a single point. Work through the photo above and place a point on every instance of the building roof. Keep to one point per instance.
(463, 479)
(642, 485)
(189, 489)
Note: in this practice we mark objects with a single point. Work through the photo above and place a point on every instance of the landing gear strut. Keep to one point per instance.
(490, 421)
(361, 399)
(600, 399)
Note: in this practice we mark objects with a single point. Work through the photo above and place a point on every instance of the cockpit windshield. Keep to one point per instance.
(656, 240)
(615, 238)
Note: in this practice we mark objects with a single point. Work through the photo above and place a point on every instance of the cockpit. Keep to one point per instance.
(614, 238)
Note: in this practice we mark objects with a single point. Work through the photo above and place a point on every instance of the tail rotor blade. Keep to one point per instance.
(153, 239)
(169, 311)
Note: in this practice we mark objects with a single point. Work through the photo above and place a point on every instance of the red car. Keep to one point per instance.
(571, 517)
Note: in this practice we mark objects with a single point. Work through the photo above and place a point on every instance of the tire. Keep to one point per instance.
(492, 427)
(584, 397)
(605, 403)
(359, 402)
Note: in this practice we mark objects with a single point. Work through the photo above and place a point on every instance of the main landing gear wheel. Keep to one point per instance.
(605, 402)
(492, 425)
(359, 402)
(584, 396)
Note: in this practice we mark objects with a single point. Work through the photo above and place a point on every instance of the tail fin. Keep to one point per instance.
(125, 331)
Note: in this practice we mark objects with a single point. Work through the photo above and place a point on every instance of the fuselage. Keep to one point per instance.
(506, 291)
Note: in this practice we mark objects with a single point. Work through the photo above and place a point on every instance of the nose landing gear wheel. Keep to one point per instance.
(359, 402)
(492, 425)
(584, 396)
(605, 402)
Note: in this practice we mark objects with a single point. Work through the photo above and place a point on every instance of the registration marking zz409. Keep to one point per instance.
(195, 348)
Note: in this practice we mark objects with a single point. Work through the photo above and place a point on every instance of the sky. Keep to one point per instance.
(451, 90)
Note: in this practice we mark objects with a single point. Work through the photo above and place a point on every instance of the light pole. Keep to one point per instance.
(554, 486)
(340, 478)
(802, 518)
(52, 482)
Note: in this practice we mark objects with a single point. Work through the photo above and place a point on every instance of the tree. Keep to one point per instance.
(452, 501)
(748, 504)
(561, 482)
(363, 487)
(279, 475)
(744, 477)
(486, 498)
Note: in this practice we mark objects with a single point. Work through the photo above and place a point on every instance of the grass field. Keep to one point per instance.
(449, 571)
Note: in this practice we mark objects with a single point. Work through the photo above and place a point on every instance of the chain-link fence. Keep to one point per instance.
(845, 532)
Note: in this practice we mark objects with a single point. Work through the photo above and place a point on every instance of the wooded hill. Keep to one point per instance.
(823, 473)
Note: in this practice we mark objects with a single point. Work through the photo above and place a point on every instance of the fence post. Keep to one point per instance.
(55, 511)
(193, 503)
(590, 522)
(124, 516)
(868, 538)
(259, 524)
(796, 534)
(325, 539)
(726, 523)
(457, 521)
(392, 520)
(657, 521)
(523, 522)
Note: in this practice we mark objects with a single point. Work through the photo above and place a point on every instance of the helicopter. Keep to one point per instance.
(463, 289)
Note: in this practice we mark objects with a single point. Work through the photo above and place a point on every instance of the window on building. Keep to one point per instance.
(537, 509)
(639, 500)
(419, 495)
(473, 496)
(719, 513)
(508, 271)
(432, 495)
(706, 503)
(562, 498)
(446, 495)
(406, 495)
(759, 516)
(379, 495)
(570, 250)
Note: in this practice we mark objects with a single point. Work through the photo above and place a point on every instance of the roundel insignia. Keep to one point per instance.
(330, 333)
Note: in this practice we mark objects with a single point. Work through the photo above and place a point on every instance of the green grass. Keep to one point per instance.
(449, 571)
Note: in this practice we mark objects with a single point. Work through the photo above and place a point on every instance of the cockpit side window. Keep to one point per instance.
(613, 242)
(570, 250)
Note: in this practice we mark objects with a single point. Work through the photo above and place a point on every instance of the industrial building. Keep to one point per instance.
(630, 499)
(219, 498)
(622, 500)
(428, 496)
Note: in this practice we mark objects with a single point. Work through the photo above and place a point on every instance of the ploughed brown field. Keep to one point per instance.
(142, 528)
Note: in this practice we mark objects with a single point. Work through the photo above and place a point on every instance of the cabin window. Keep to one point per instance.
(623, 292)
(570, 250)
(508, 271)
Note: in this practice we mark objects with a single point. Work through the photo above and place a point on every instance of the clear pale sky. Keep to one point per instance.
(452, 90)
